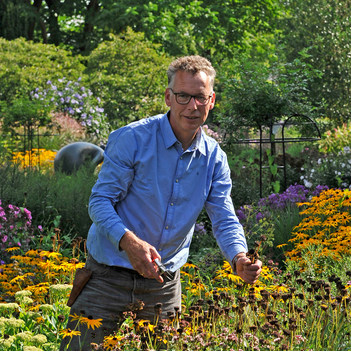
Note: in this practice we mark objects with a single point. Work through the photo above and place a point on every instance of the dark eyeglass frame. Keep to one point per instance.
(190, 97)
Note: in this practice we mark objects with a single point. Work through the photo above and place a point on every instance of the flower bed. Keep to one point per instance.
(303, 308)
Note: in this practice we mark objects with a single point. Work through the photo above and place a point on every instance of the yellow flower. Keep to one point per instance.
(39, 289)
(227, 272)
(10, 249)
(75, 317)
(69, 332)
(111, 341)
(35, 157)
(91, 323)
(265, 274)
(50, 254)
(280, 288)
(16, 279)
(190, 265)
(40, 320)
(72, 266)
(31, 252)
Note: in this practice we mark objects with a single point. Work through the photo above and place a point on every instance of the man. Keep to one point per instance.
(157, 175)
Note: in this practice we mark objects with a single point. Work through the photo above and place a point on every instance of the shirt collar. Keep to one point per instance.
(170, 139)
(168, 136)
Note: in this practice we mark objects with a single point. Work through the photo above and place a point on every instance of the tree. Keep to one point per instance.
(324, 27)
(214, 29)
(71, 23)
(129, 74)
(257, 96)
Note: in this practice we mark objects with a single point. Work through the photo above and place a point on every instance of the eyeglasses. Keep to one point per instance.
(184, 99)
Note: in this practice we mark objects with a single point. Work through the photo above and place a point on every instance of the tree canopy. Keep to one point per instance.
(324, 27)
(210, 28)
(225, 31)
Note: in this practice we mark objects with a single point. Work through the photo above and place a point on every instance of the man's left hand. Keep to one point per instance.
(248, 271)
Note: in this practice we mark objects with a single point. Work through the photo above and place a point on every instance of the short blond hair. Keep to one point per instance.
(192, 64)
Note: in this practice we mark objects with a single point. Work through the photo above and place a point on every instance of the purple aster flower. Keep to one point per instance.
(241, 215)
(259, 216)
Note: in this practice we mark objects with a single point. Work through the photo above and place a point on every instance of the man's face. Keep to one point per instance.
(185, 120)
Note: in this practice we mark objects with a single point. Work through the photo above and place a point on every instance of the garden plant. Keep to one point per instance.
(75, 71)
(304, 305)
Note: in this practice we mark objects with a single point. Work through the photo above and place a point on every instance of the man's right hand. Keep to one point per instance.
(141, 255)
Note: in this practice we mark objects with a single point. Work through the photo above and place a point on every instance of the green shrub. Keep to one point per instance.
(130, 76)
(256, 95)
(25, 66)
(335, 141)
(49, 195)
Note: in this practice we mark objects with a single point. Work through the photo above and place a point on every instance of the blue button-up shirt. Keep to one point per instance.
(149, 185)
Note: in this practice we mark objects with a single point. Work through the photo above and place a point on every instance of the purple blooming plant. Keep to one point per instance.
(79, 102)
(212, 133)
(15, 229)
(294, 194)
(199, 229)
(275, 211)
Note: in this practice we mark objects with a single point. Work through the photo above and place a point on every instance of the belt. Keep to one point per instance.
(130, 271)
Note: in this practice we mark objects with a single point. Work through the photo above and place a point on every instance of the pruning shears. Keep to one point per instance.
(162, 269)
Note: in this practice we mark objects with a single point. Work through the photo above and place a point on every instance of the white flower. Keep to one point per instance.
(302, 177)
(302, 169)
(319, 161)
(347, 149)
(339, 173)
(312, 170)
(344, 185)
(307, 183)
(343, 165)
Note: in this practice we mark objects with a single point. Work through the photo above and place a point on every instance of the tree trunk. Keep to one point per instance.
(54, 28)
(35, 8)
(92, 10)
